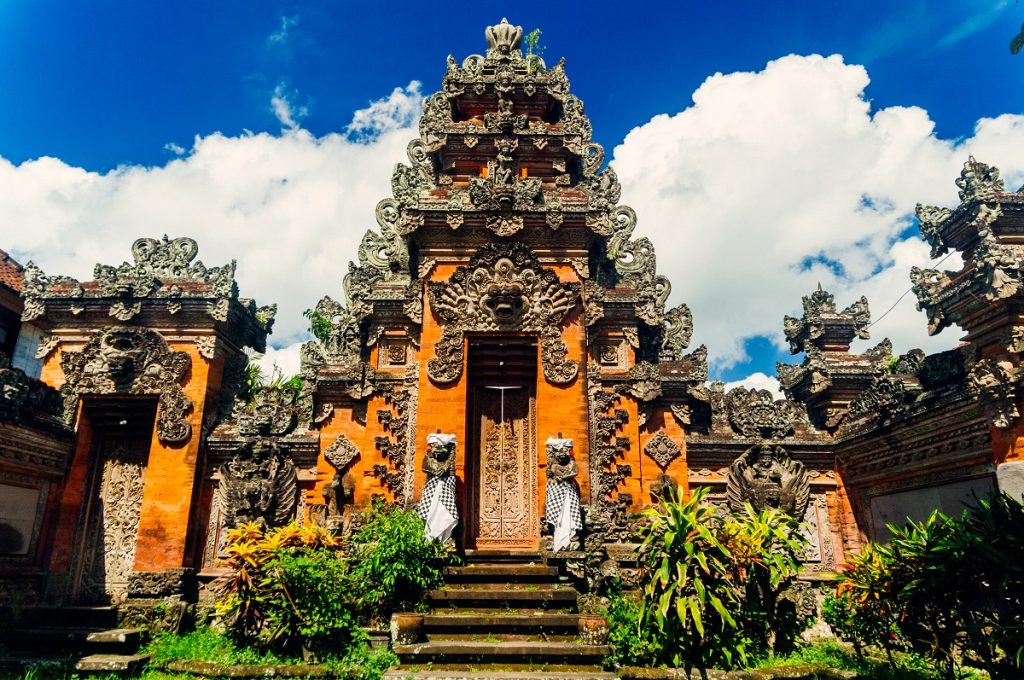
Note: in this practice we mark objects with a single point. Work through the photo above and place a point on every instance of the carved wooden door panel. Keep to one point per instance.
(506, 445)
(112, 518)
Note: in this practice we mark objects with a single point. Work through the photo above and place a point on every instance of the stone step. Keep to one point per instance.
(77, 637)
(482, 652)
(501, 573)
(69, 617)
(503, 556)
(495, 598)
(112, 663)
(506, 585)
(501, 623)
(467, 674)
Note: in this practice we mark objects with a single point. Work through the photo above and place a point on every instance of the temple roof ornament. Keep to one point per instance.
(165, 274)
(823, 327)
(503, 40)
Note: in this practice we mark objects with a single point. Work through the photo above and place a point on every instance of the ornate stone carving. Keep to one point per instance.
(979, 181)
(931, 221)
(766, 477)
(503, 288)
(756, 413)
(996, 266)
(503, 40)
(928, 285)
(136, 361)
(397, 448)
(271, 411)
(888, 397)
(341, 453)
(993, 381)
(20, 393)
(259, 485)
(662, 449)
(46, 346)
(207, 347)
(819, 309)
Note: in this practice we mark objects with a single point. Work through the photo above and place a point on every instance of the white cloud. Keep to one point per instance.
(398, 110)
(176, 149)
(291, 208)
(284, 360)
(282, 34)
(758, 381)
(774, 181)
(282, 103)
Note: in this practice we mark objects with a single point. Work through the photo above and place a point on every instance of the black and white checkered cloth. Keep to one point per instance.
(558, 494)
(444, 486)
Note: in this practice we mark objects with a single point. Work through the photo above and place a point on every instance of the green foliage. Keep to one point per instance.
(1018, 41)
(830, 655)
(363, 663)
(534, 49)
(633, 644)
(949, 588)
(395, 562)
(287, 589)
(206, 645)
(713, 581)
(319, 325)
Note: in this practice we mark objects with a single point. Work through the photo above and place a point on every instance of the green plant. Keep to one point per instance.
(632, 643)
(395, 562)
(287, 589)
(866, 608)
(692, 594)
(714, 582)
(533, 49)
(319, 325)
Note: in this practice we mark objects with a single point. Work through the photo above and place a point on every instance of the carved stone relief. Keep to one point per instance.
(766, 477)
(131, 361)
(503, 288)
(756, 413)
(662, 449)
(259, 484)
(994, 382)
(112, 522)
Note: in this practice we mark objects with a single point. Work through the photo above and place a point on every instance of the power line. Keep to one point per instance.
(900, 298)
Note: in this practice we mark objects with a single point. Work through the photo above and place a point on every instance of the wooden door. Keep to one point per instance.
(505, 445)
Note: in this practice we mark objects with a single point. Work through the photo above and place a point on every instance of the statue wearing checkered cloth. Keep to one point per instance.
(437, 505)
(562, 502)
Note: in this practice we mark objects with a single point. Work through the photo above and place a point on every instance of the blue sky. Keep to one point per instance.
(108, 86)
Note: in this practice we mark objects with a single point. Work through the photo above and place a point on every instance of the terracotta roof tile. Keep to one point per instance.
(11, 273)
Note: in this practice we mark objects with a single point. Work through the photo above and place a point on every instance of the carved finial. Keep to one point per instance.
(979, 181)
(503, 39)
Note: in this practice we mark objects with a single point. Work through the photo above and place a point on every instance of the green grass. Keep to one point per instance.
(207, 645)
(829, 653)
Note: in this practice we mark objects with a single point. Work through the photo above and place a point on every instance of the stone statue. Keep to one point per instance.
(437, 505)
(766, 477)
(562, 501)
(259, 485)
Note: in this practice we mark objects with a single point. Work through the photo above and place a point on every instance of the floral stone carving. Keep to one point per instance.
(766, 477)
(503, 288)
(994, 382)
(756, 413)
(662, 449)
(131, 361)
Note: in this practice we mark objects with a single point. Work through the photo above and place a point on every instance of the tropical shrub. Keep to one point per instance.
(949, 588)
(395, 563)
(287, 589)
(632, 642)
(713, 580)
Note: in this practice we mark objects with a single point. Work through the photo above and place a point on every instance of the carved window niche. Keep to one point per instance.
(613, 354)
(22, 502)
(393, 353)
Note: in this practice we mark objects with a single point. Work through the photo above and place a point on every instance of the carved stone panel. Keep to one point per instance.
(765, 476)
(507, 471)
(662, 449)
(112, 518)
(259, 485)
(504, 288)
(131, 361)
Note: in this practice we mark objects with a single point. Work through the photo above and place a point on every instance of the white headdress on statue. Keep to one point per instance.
(559, 444)
(440, 438)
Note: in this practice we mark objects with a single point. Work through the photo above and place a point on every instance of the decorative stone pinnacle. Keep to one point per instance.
(503, 39)
(825, 328)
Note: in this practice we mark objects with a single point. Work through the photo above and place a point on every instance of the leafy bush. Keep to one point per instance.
(632, 642)
(952, 588)
(288, 589)
(713, 581)
(206, 645)
(395, 562)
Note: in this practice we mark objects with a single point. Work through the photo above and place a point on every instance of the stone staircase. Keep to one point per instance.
(88, 637)
(502, 615)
